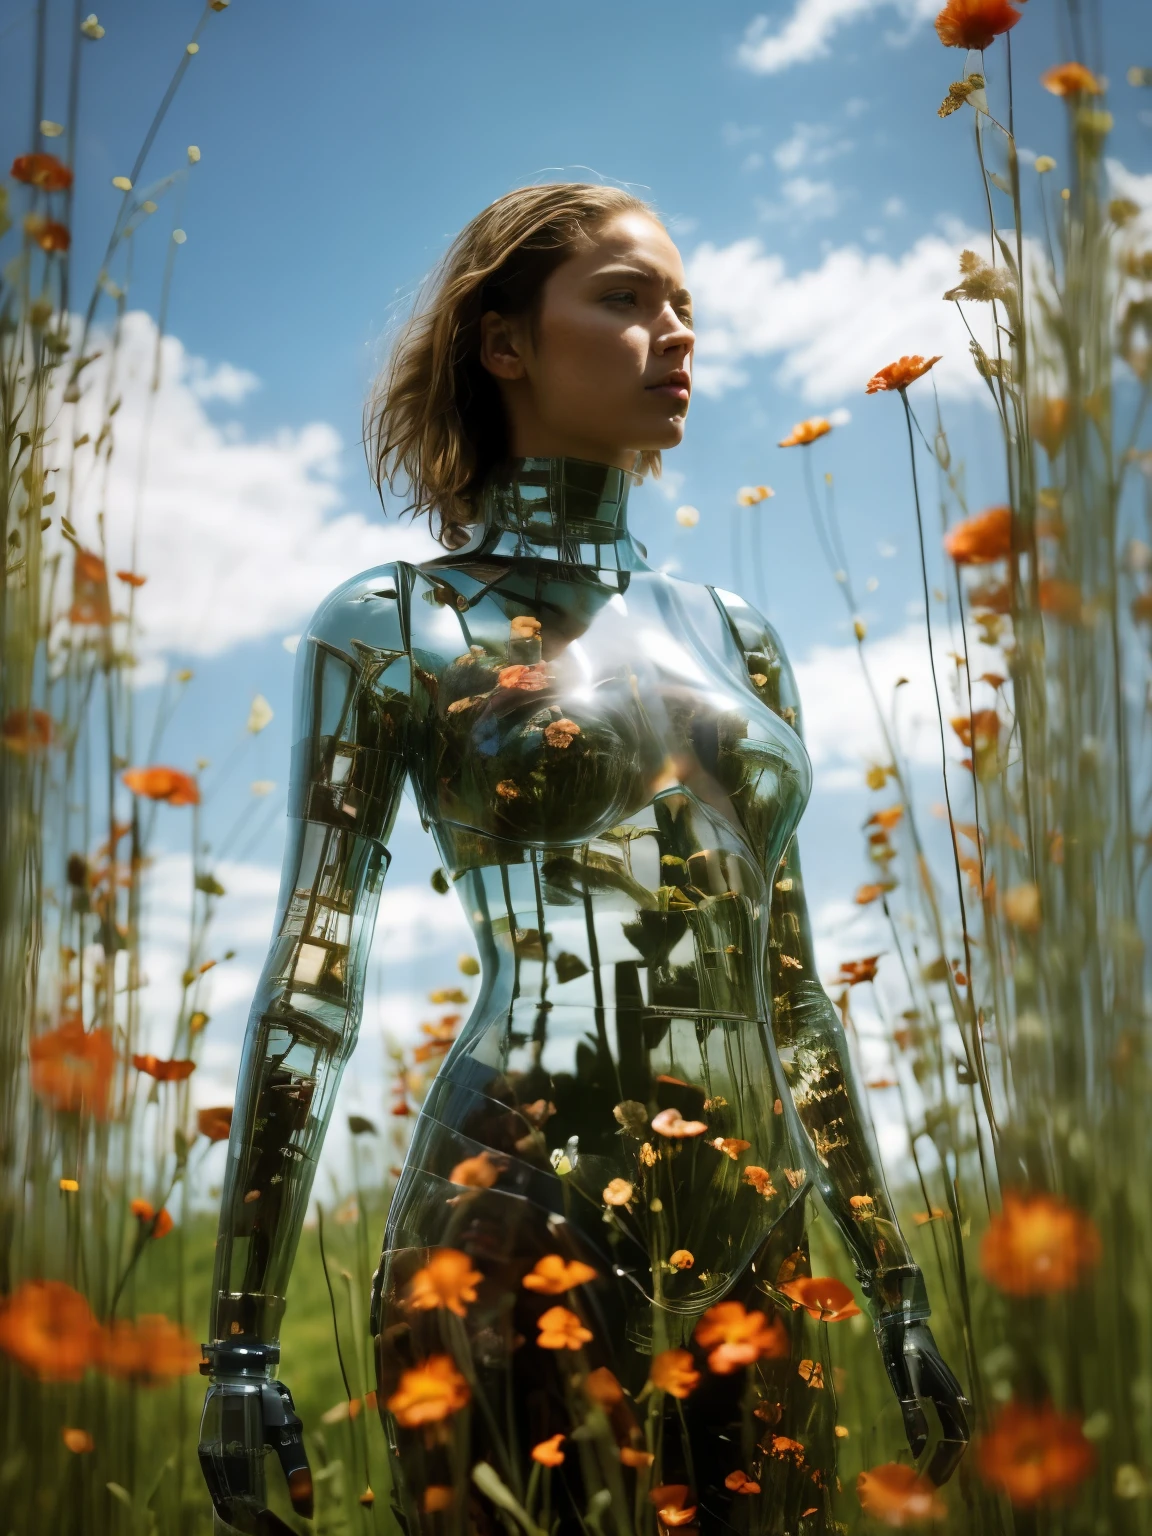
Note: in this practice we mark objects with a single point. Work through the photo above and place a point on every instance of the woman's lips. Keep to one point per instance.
(671, 391)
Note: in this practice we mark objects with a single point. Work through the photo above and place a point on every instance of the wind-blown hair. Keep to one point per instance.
(435, 419)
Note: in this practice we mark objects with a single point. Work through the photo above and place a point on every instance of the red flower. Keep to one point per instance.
(164, 1071)
(46, 233)
(159, 1222)
(72, 1068)
(167, 784)
(1035, 1455)
(1038, 1244)
(43, 171)
(48, 1329)
(974, 23)
(90, 602)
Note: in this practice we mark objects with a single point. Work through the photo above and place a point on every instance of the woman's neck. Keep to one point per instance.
(567, 510)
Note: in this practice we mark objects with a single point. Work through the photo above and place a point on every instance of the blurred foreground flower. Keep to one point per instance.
(823, 1297)
(894, 1495)
(671, 1501)
(674, 1371)
(47, 233)
(72, 1067)
(805, 432)
(553, 1275)
(738, 1338)
(167, 784)
(561, 1329)
(215, 1123)
(1071, 80)
(430, 1392)
(78, 1441)
(447, 1280)
(174, 1071)
(1035, 1455)
(1038, 1244)
(974, 23)
(150, 1351)
(26, 730)
(160, 1222)
(981, 539)
(752, 495)
(548, 1452)
(48, 1329)
(43, 171)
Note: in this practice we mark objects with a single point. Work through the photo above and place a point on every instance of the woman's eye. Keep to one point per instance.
(624, 297)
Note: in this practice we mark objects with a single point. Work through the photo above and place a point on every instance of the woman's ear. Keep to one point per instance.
(501, 346)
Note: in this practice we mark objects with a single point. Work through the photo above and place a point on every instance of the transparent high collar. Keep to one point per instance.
(568, 510)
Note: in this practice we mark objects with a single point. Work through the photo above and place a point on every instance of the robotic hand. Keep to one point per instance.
(916, 1370)
(246, 1413)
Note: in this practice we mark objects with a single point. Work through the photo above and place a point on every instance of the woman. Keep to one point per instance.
(595, 1293)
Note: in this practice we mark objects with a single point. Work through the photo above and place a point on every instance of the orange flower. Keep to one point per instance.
(753, 495)
(901, 373)
(146, 1214)
(479, 1172)
(130, 578)
(1038, 1244)
(78, 1441)
(167, 784)
(1071, 80)
(853, 972)
(528, 678)
(740, 1482)
(894, 1495)
(552, 1275)
(731, 1146)
(602, 1388)
(981, 727)
(47, 233)
(548, 1452)
(151, 1351)
(27, 730)
(1048, 420)
(561, 1329)
(561, 733)
(669, 1500)
(670, 1122)
(824, 1298)
(617, 1192)
(812, 1372)
(981, 539)
(164, 1071)
(974, 23)
(888, 817)
(43, 171)
(1062, 599)
(215, 1123)
(447, 1280)
(48, 1329)
(429, 1393)
(866, 894)
(760, 1180)
(1035, 1455)
(524, 627)
(674, 1371)
(805, 432)
(737, 1337)
(783, 1447)
(681, 1259)
(437, 1498)
(72, 1068)
(90, 601)
(630, 1457)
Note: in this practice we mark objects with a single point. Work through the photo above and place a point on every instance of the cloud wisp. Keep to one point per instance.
(807, 33)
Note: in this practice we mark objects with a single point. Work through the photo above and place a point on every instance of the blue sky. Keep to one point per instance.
(820, 203)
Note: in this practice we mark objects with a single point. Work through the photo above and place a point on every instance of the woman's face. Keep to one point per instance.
(606, 371)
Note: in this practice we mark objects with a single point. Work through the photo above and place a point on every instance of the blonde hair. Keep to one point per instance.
(435, 418)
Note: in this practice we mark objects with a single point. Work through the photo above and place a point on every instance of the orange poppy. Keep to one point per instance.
(853, 972)
(1071, 80)
(174, 1071)
(553, 1275)
(90, 601)
(737, 1337)
(674, 1371)
(671, 1123)
(215, 1123)
(981, 727)
(479, 1172)
(447, 1280)
(630, 1457)
(437, 1498)
(681, 1259)
(901, 373)
(548, 1452)
(1035, 1455)
(429, 1393)
(48, 1329)
(1038, 1244)
(760, 1180)
(603, 1388)
(894, 1495)
(974, 23)
(669, 1500)
(47, 233)
(167, 784)
(72, 1068)
(617, 1192)
(27, 730)
(130, 578)
(43, 171)
(822, 1297)
(528, 678)
(805, 432)
(981, 539)
(146, 1214)
(78, 1441)
(561, 1329)
(740, 1482)
(731, 1146)
(152, 1350)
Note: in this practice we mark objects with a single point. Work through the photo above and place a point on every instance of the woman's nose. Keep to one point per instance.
(674, 332)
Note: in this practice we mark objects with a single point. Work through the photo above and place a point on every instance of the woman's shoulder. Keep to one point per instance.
(764, 652)
(369, 608)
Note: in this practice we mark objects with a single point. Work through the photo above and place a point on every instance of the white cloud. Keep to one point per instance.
(833, 325)
(806, 34)
(240, 537)
(811, 144)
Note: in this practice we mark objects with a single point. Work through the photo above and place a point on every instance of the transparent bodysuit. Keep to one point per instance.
(651, 1078)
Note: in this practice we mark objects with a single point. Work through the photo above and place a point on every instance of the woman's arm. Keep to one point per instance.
(347, 773)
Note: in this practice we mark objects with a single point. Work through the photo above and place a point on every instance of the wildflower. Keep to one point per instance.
(760, 1180)
(437, 1498)
(164, 1071)
(1071, 80)
(631, 1116)
(824, 1298)
(670, 1122)
(753, 495)
(69, 1186)
(91, 28)
(159, 1223)
(934, 1213)
(981, 728)
(78, 1441)
(853, 972)
(447, 1280)
(981, 539)
(617, 1192)
(958, 93)
(72, 1067)
(215, 1123)
(1038, 1244)
(602, 1388)
(669, 1500)
(737, 1337)
(863, 1207)
(731, 1146)
(795, 1177)
(812, 1372)
(974, 23)
(648, 1155)
(1035, 1455)
(43, 171)
(783, 1448)
(981, 283)
(681, 1259)
(894, 1495)
(561, 733)
(507, 789)
(167, 784)
(1022, 906)
(47, 233)
(548, 1452)
(866, 894)
(887, 818)
(90, 601)
(152, 1351)
(674, 1371)
(1062, 599)
(1044, 163)
(479, 1172)
(26, 730)
(47, 1328)
(428, 1393)
(528, 678)
(525, 627)
(740, 1482)
(561, 1329)
(367, 1498)
(553, 1275)
(1048, 420)
(635, 1458)
(805, 432)
(901, 373)
(687, 517)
